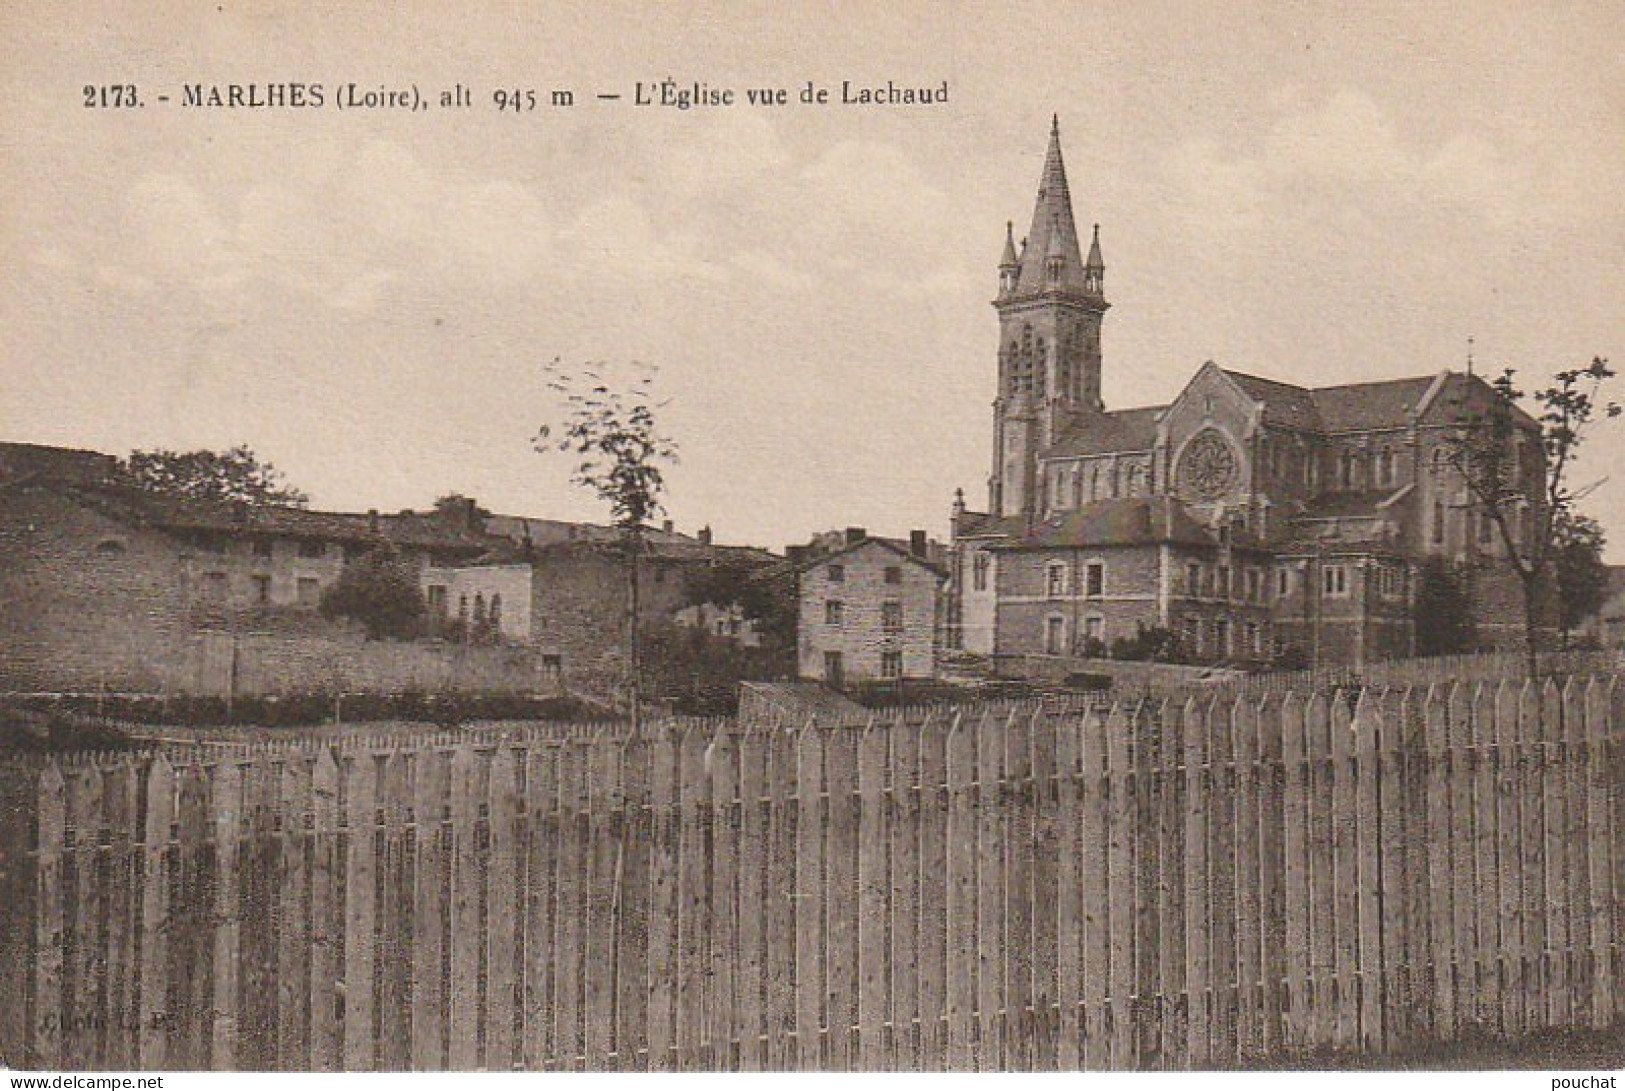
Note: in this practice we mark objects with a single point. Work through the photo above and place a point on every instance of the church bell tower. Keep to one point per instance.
(1051, 304)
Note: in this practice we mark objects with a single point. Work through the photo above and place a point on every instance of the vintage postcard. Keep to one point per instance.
(968, 537)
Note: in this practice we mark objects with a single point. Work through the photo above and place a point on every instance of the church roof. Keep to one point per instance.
(1358, 406)
(1121, 521)
(1105, 433)
(1367, 504)
(1053, 232)
(1285, 405)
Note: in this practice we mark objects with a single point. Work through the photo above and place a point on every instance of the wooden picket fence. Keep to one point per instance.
(1156, 886)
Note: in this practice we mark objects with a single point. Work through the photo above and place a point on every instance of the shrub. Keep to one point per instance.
(382, 593)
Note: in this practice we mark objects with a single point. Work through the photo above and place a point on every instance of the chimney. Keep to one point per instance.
(705, 535)
(372, 520)
(795, 554)
(854, 535)
(666, 526)
(916, 543)
(470, 513)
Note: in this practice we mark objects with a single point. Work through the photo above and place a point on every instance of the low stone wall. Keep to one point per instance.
(266, 664)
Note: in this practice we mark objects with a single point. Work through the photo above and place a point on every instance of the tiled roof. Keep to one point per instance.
(891, 544)
(1285, 405)
(422, 530)
(1105, 433)
(1142, 520)
(1359, 406)
(1349, 505)
(36, 462)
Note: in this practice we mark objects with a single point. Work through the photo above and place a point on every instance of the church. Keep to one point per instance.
(1248, 521)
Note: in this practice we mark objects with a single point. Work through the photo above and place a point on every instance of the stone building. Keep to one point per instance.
(868, 611)
(101, 582)
(1244, 518)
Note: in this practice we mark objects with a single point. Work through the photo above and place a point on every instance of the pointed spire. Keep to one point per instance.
(1054, 235)
(1009, 260)
(1095, 260)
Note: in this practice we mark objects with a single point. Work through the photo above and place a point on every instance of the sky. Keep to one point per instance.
(1313, 193)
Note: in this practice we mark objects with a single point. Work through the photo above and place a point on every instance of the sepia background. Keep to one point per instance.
(1314, 193)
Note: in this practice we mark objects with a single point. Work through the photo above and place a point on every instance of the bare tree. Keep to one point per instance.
(620, 454)
(1517, 467)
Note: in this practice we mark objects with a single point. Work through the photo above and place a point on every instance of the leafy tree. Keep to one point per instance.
(1153, 643)
(1442, 618)
(620, 453)
(1527, 499)
(763, 594)
(1582, 577)
(236, 474)
(380, 591)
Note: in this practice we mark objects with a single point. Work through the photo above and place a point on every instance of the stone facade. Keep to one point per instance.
(1246, 517)
(868, 612)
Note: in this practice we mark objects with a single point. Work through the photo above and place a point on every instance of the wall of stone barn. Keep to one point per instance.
(578, 601)
(85, 601)
(278, 664)
(861, 637)
(510, 582)
(241, 563)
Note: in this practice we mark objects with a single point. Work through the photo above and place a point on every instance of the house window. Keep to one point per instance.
(891, 664)
(1054, 635)
(1193, 635)
(1057, 580)
(308, 591)
(496, 613)
(262, 590)
(836, 573)
(833, 670)
(1438, 520)
(1094, 579)
(310, 548)
(262, 547)
(834, 612)
(1221, 637)
(1193, 578)
(437, 600)
(1255, 639)
(1224, 581)
(979, 568)
(1255, 585)
(1094, 629)
(894, 574)
(1334, 580)
(1283, 582)
(214, 586)
(891, 617)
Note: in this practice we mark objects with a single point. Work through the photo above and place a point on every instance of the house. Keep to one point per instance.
(1248, 518)
(103, 584)
(868, 611)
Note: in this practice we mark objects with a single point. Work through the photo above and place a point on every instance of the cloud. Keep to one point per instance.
(1345, 156)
